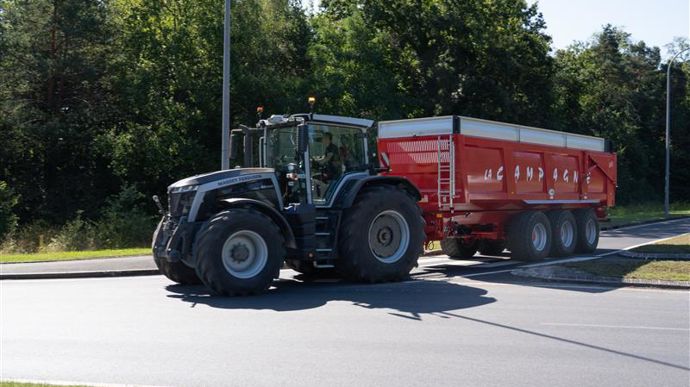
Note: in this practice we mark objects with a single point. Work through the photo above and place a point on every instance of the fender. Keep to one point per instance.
(348, 198)
(266, 210)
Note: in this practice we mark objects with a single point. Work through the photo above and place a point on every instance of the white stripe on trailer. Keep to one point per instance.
(494, 130)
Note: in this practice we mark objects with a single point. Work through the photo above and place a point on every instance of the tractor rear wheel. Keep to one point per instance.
(381, 236)
(456, 249)
(529, 236)
(175, 271)
(239, 252)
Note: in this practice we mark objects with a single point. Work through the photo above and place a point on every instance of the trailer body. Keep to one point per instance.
(475, 175)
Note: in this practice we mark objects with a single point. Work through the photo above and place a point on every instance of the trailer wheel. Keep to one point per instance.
(529, 236)
(381, 236)
(175, 271)
(239, 252)
(587, 230)
(456, 249)
(563, 233)
(487, 247)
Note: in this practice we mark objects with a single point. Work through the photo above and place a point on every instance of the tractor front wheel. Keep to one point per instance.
(239, 252)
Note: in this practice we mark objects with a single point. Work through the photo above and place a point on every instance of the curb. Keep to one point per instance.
(585, 278)
(80, 274)
(638, 255)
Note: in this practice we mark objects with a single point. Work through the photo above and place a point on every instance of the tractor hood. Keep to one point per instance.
(222, 177)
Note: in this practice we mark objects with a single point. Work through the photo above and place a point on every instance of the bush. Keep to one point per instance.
(30, 238)
(8, 220)
(76, 235)
(124, 222)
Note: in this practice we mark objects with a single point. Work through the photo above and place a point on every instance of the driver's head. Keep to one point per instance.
(327, 139)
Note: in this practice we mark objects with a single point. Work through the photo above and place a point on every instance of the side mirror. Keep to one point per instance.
(302, 138)
(234, 145)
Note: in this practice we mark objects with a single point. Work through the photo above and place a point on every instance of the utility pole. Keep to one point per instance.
(225, 161)
(667, 174)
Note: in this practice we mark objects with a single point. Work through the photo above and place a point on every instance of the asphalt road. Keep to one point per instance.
(455, 323)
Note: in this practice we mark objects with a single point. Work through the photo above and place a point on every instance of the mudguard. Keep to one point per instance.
(348, 198)
(269, 211)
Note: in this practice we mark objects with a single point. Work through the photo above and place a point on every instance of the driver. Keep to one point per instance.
(330, 161)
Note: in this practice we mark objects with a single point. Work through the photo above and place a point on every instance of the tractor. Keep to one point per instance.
(308, 196)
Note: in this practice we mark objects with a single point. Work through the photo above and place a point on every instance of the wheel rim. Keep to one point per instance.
(591, 231)
(245, 254)
(567, 234)
(389, 236)
(539, 237)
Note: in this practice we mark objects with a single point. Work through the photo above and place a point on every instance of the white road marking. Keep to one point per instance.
(616, 326)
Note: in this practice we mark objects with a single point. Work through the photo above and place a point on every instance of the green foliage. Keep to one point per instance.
(124, 222)
(612, 88)
(8, 199)
(76, 235)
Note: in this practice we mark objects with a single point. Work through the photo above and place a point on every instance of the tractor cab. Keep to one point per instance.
(311, 151)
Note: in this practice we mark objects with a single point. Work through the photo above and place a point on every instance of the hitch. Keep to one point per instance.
(157, 200)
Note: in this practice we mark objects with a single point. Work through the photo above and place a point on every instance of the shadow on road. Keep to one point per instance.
(411, 299)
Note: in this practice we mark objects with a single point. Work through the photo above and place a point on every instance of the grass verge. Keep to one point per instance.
(631, 214)
(667, 270)
(72, 255)
(679, 244)
(19, 384)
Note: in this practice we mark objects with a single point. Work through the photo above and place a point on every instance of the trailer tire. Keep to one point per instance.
(488, 247)
(381, 236)
(563, 233)
(455, 249)
(529, 236)
(175, 271)
(239, 252)
(587, 231)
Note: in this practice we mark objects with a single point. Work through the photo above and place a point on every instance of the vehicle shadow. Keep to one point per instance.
(411, 299)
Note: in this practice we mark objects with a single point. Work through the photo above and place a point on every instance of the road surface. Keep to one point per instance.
(455, 323)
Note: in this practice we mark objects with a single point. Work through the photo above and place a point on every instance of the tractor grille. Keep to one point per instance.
(179, 203)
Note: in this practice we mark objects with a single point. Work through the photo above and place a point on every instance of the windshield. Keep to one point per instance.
(281, 147)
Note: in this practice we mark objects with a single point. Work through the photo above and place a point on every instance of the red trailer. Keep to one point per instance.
(488, 185)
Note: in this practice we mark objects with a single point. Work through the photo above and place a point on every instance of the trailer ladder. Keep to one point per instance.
(446, 173)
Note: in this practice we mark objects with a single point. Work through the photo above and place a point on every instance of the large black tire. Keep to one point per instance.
(372, 245)
(487, 247)
(232, 239)
(563, 233)
(175, 271)
(529, 236)
(587, 231)
(455, 249)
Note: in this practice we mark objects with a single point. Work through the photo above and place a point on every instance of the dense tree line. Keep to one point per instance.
(105, 102)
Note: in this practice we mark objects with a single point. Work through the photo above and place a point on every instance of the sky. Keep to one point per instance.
(656, 22)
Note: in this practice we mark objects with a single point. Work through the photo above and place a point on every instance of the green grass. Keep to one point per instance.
(72, 255)
(635, 269)
(679, 244)
(631, 214)
(18, 384)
